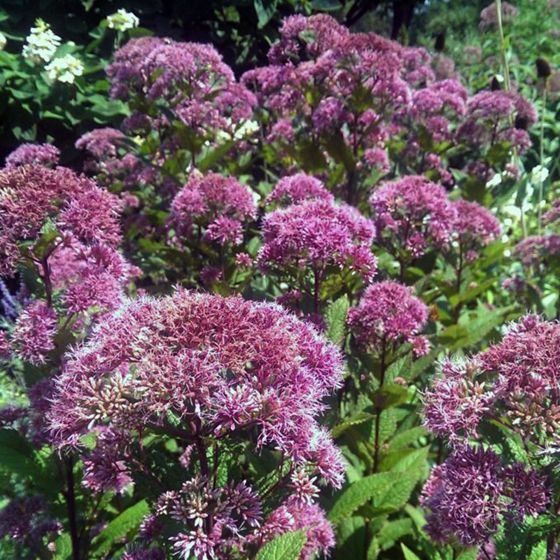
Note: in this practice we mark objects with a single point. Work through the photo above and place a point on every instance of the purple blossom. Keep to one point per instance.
(471, 492)
(40, 154)
(388, 314)
(317, 234)
(298, 188)
(457, 401)
(33, 336)
(31, 196)
(534, 250)
(412, 215)
(474, 227)
(218, 203)
(271, 369)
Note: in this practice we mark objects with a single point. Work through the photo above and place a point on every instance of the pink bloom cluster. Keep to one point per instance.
(300, 187)
(317, 234)
(67, 229)
(26, 520)
(535, 250)
(42, 154)
(33, 335)
(223, 369)
(474, 227)
(489, 15)
(215, 203)
(471, 492)
(192, 78)
(489, 117)
(388, 315)
(498, 381)
(34, 196)
(412, 216)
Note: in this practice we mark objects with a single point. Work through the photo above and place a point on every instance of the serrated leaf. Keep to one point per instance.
(335, 318)
(285, 547)
(408, 554)
(356, 419)
(122, 526)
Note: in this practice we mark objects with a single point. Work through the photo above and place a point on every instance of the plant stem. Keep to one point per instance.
(379, 410)
(541, 157)
(71, 508)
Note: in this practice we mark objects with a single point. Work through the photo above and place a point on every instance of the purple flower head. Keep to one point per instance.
(318, 234)
(525, 369)
(298, 188)
(489, 116)
(457, 401)
(33, 196)
(40, 154)
(190, 77)
(33, 336)
(470, 494)
(295, 515)
(388, 314)
(412, 215)
(27, 520)
(270, 369)
(489, 15)
(474, 227)
(218, 203)
(464, 497)
(535, 250)
(301, 37)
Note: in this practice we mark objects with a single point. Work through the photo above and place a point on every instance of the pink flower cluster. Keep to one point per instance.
(489, 116)
(223, 369)
(535, 250)
(300, 187)
(34, 196)
(213, 205)
(317, 234)
(497, 381)
(412, 216)
(42, 154)
(66, 229)
(192, 79)
(389, 315)
(474, 227)
(471, 492)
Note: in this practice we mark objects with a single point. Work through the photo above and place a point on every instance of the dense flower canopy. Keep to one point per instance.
(223, 367)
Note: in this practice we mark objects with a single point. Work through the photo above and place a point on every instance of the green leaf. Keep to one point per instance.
(285, 547)
(335, 318)
(121, 527)
(357, 494)
(468, 554)
(408, 554)
(63, 546)
(356, 419)
(16, 455)
(264, 13)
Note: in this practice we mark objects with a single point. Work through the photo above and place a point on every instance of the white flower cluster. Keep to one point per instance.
(41, 43)
(3, 41)
(122, 20)
(65, 69)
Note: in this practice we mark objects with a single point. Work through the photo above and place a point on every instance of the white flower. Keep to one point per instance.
(3, 41)
(65, 69)
(41, 43)
(122, 20)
